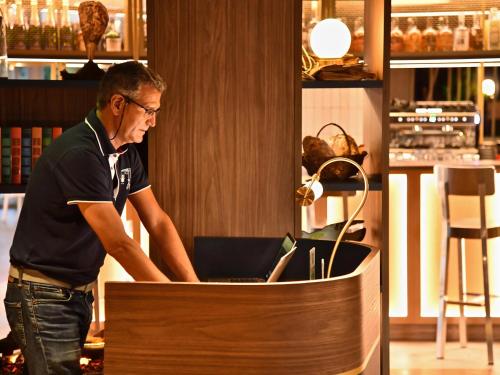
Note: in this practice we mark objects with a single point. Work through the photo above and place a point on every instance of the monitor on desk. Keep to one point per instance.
(283, 256)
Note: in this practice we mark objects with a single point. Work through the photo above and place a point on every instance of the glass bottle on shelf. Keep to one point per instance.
(494, 34)
(413, 37)
(358, 36)
(4, 72)
(65, 31)
(397, 38)
(304, 34)
(429, 37)
(461, 35)
(19, 29)
(34, 30)
(476, 34)
(113, 38)
(145, 30)
(49, 29)
(445, 35)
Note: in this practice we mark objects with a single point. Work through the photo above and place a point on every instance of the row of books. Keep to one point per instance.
(21, 148)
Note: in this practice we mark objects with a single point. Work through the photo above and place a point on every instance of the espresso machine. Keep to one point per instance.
(434, 130)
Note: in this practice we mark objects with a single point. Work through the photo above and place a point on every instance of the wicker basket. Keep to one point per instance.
(336, 171)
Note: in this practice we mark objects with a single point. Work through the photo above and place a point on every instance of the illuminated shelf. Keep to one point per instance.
(12, 189)
(64, 60)
(13, 54)
(445, 59)
(368, 83)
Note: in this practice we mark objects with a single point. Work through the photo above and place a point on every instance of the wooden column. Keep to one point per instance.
(224, 158)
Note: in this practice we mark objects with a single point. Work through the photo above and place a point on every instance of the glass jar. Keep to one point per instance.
(397, 39)
(445, 35)
(413, 37)
(4, 73)
(429, 37)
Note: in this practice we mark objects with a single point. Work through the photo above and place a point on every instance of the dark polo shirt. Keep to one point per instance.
(52, 236)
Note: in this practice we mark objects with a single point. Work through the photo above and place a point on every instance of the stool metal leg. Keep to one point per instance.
(462, 327)
(5, 207)
(488, 324)
(443, 295)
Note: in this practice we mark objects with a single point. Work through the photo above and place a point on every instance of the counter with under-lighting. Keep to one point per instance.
(414, 243)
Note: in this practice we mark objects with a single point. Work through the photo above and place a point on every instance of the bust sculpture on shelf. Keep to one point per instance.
(93, 22)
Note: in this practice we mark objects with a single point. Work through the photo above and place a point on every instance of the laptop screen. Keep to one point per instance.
(287, 245)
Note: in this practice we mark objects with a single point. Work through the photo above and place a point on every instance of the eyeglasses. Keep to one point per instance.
(147, 111)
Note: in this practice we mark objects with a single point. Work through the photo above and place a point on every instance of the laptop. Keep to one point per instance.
(283, 256)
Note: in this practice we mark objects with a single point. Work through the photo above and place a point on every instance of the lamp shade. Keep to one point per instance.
(330, 39)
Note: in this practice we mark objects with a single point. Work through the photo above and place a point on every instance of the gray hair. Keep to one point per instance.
(126, 79)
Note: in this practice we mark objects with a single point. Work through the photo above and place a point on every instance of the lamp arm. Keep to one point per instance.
(356, 211)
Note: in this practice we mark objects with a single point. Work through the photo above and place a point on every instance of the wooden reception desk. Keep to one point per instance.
(329, 326)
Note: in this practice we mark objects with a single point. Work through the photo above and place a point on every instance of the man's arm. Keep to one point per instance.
(106, 223)
(163, 232)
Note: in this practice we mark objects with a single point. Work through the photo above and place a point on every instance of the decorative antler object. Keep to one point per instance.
(93, 22)
(312, 190)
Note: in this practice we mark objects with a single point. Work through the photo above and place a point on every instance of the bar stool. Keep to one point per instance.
(465, 181)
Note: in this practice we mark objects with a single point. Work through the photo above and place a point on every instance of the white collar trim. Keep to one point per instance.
(96, 136)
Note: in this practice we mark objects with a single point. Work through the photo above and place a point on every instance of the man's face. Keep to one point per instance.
(140, 114)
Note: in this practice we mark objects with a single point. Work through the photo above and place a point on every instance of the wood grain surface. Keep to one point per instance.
(224, 158)
(311, 327)
(45, 106)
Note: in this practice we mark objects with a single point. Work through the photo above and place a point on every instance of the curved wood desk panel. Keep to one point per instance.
(304, 327)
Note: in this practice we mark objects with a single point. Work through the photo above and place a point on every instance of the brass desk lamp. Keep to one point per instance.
(312, 190)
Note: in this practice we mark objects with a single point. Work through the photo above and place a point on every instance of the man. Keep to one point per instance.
(71, 219)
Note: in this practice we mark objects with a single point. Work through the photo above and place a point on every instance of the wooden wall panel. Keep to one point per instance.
(377, 55)
(224, 156)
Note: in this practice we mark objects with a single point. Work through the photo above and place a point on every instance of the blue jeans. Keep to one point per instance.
(50, 325)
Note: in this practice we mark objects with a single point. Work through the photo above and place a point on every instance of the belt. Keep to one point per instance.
(27, 274)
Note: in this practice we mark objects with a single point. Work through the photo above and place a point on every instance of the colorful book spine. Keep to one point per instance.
(15, 149)
(46, 137)
(6, 156)
(36, 145)
(56, 132)
(25, 155)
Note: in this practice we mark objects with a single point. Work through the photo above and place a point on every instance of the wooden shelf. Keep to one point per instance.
(354, 184)
(368, 83)
(46, 83)
(12, 189)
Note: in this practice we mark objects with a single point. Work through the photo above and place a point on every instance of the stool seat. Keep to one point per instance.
(476, 181)
(471, 228)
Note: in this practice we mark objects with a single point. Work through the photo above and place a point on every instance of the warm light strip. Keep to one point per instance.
(444, 63)
(437, 14)
(68, 61)
(398, 249)
(430, 227)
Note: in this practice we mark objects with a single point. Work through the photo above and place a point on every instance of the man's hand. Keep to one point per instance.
(163, 232)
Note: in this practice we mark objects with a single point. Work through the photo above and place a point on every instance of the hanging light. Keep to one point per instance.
(330, 39)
